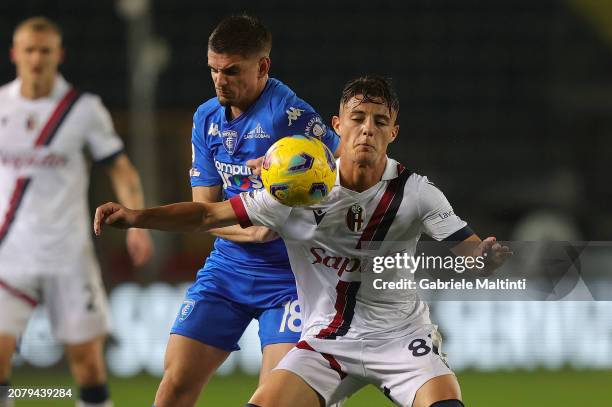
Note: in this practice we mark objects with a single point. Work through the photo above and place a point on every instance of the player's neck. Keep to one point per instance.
(237, 110)
(35, 90)
(360, 177)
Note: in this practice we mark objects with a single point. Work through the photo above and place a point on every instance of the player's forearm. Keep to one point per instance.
(129, 190)
(235, 234)
(126, 183)
(178, 217)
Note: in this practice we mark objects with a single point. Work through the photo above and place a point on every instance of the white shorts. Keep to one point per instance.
(76, 303)
(398, 367)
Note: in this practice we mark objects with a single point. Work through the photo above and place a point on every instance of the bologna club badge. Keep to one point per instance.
(355, 218)
(30, 122)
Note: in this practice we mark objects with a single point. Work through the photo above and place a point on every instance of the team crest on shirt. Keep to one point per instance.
(186, 308)
(355, 218)
(30, 123)
(230, 137)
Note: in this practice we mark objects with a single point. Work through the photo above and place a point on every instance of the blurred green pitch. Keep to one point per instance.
(567, 388)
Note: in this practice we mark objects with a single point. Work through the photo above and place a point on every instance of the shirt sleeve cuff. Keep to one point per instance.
(240, 211)
(459, 236)
(110, 158)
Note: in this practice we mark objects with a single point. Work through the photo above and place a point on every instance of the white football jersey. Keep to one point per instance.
(44, 214)
(330, 247)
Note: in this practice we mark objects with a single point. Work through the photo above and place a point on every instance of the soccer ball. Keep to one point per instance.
(298, 170)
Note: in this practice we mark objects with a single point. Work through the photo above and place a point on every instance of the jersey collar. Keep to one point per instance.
(390, 172)
(60, 86)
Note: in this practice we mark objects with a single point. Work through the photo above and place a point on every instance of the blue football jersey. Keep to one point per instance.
(221, 149)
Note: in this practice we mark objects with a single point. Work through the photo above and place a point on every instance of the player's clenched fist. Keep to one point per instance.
(113, 214)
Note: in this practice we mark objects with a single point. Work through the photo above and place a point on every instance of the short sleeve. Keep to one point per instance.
(258, 207)
(298, 117)
(439, 220)
(203, 172)
(101, 138)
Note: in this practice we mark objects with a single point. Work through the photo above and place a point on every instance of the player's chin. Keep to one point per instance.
(224, 101)
(365, 157)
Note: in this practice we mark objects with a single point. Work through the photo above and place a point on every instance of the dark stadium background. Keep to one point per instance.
(505, 104)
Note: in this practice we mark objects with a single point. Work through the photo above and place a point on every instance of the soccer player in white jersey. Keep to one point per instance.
(352, 335)
(46, 253)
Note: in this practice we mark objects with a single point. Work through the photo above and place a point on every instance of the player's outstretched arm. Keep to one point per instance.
(178, 217)
(252, 234)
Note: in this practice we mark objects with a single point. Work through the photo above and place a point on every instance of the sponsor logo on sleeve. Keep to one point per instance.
(213, 130)
(318, 130)
(315, 127)
(293, 113)
(445, 215)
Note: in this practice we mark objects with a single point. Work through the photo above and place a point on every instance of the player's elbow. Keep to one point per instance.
(205, 225)
(208, 219)
(215, 215)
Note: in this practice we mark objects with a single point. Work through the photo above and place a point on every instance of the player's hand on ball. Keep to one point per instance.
(139, 246)
(115, 215)
(255, 165)
(494, 252)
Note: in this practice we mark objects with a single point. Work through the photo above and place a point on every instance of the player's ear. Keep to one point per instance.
(394, 133)
(264, 66)
(336, 124)
(12, 54)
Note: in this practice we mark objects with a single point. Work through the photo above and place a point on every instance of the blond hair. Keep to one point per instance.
(38, 24)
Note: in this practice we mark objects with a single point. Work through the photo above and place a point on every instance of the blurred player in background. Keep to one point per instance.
(353, 335)
(46, 253)
(240, 280)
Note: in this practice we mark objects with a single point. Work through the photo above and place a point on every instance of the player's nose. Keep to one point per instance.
(36, 57)
(367, 127)
(220, 80)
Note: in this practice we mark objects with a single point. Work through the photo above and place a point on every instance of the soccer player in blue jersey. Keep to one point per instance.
(241, 280)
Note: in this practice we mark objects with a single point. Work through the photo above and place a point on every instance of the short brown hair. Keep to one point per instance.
(240, 35)
(39, 24)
